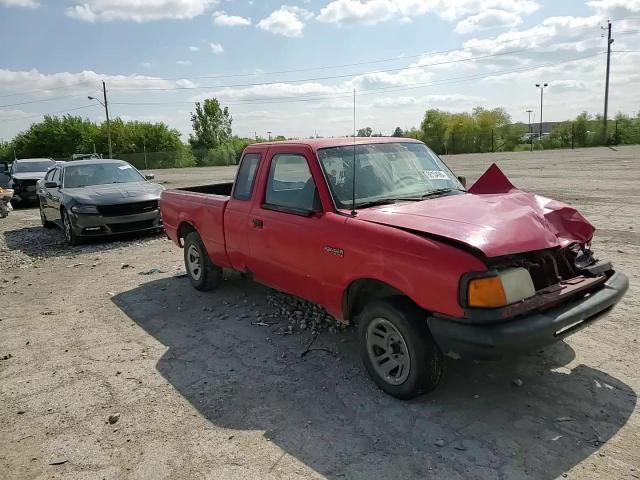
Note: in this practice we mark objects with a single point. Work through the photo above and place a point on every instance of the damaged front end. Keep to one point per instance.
(527, 300)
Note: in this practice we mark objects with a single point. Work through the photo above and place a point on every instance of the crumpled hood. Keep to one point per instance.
(115, 193)
(493, 217)
(28, 175)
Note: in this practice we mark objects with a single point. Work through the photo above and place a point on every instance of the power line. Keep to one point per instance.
(6, 120)
(312, 79)
(337, 95)
(51, 99)
(325, 67)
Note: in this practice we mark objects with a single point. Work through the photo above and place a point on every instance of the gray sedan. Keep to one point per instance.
(94, 198)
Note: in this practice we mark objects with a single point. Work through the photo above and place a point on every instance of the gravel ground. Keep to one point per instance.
(112, 366)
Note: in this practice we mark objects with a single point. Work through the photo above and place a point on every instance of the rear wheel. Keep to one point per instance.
(203, 274)
(397, 348)
(43, 218)
(69, 233)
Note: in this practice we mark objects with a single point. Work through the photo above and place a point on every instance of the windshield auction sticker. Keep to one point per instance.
(436, 175)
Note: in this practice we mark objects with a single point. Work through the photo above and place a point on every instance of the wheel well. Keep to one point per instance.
(185, 229)
(364, 291)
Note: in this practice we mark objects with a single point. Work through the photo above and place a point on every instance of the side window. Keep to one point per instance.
(290, 184)
(48, 176)
(246, 176)
(56, 176)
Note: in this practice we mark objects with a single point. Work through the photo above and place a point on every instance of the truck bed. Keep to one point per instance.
(223, 189)
(200, 208)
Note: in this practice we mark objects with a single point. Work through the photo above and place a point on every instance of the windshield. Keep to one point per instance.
(28, 167)
(100, 174)
(385, 172)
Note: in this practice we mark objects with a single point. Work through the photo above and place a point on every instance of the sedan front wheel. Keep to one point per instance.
(69, 233)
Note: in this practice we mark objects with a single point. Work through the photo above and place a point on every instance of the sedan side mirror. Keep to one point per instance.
(51, 185)
(149, 176)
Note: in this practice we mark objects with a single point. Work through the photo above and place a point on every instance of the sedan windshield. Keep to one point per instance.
(385, 172)
(30, 167)
(100, 174)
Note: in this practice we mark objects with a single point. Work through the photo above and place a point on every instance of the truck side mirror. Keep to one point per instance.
(149, 176)
(463, 180)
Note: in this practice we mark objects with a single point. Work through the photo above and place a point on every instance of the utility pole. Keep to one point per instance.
(606, 87)
(144, 149)
(106, 109)
(541, 87)
(530, 133)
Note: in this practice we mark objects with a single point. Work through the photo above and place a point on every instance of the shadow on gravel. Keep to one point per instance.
(42, 242)
(323, 410)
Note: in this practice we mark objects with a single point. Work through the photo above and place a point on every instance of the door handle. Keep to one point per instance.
(257, 223)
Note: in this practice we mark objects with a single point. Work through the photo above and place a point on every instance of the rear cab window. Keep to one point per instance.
(246, 177)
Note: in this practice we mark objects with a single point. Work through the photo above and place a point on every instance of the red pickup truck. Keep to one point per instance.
(382, 234)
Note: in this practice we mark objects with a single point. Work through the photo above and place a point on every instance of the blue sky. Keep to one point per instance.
(159, 56)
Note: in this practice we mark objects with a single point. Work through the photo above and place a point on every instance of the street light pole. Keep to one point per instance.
(106, 110)
(541, 87)
(530, 133)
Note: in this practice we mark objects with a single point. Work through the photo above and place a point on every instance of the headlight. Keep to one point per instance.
(90, 209)
(506, 287)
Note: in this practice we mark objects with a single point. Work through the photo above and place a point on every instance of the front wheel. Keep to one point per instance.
(397, 348)
(69, 233)
(203, 274)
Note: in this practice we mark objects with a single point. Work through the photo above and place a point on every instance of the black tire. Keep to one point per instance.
(67, 227)
(417, 373)
(43, 219)
(202, 273)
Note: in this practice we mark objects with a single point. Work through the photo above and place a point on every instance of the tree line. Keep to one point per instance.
(156, 145)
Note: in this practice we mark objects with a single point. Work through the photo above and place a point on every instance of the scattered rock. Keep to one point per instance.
(518, 383)
(564, 419)
(114, 418)
(439, 443)
(151, 272)
(6, 357)
(47, 312)
(73, 265)
(58, 461)
(460, 447)
(125, 265)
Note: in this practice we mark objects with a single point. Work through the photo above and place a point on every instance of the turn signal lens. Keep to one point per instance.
(486, 292)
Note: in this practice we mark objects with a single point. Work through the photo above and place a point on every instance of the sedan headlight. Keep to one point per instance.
(87, 209)
(504, 288)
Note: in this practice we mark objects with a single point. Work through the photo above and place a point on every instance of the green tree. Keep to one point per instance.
(211, 124)
(365, 132)
(434, 129)
(398, 132)
(581, 129)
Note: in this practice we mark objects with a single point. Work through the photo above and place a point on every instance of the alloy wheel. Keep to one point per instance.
(388, 352)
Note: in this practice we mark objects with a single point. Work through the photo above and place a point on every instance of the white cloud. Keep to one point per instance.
(490, 18)
(272, 91)
(615, 8)
(146, 65)
(85, 82)
(138, 10)
(223, 20)
(286, 21)
(184, 83)
(193, 48)
(450, 102)
(20, 3)
(371, 12)
(184, 62)
(216, 48)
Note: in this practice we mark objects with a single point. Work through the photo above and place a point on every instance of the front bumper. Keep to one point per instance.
(100, 225)
(529, 332)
